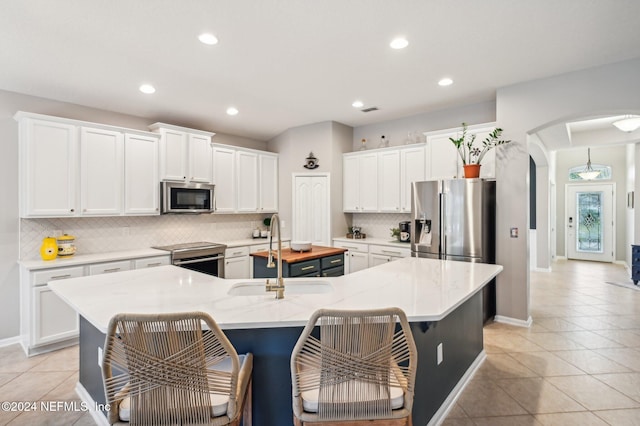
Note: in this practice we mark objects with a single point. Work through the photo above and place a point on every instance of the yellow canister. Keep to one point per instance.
(66, 246)
(49, 248)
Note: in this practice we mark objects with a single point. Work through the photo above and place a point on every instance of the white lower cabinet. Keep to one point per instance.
(362, 255)
(382, 254)
(46, 321)
(357, 256)
(236, 262)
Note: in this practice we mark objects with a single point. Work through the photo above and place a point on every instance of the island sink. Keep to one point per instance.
(257, 288)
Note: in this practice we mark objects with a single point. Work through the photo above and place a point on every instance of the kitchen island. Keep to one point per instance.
(319, 261)
(441, 299)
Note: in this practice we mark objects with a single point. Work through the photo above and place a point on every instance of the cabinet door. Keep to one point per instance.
(389, 181)
(48, 168)
(350, 183)
(443, 158)
(53, 319)
(236, 267)
(101, 172)
(378, 259)
(109, 267)
(358, 261)
(268, 183)
(368, 181)
(247, 193)
(412, 169)
(152, 262)
(141, 189)
(224, 178)
(310, 219)
(173, 155)
(200, 160)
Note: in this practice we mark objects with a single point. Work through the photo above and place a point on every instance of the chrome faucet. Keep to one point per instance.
(278, 286)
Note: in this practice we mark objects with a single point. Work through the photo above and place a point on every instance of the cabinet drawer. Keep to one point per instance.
(332, 261)
(304, 268)
(151, 262)
(42, 277)
(338, 271)
(390, 251)
(236, 251)
(260, 247)
(359, 247)
(106, 268)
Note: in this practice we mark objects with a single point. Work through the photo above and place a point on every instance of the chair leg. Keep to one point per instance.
(246, 411)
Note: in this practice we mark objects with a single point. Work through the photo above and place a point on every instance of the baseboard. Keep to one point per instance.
(561, 257)
(9, 341)
(96, 414)
(541, 269)
(514, 321)
(449, 403)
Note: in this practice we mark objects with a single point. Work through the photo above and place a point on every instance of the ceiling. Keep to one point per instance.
(287, 63)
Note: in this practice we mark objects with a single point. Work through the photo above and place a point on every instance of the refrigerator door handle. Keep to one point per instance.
(443, 227)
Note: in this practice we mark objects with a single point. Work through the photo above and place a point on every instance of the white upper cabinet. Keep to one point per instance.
(246, 180)
(224, 178)
(142, 193)
(389, 181)
(412, 169)
(443, 159)
(48, 168)
(247, 163)
(268, 183)
(185, 154)
(75, 168)
(101, 172)
(360, 182)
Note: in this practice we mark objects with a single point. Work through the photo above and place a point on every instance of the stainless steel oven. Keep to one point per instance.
(204, 257)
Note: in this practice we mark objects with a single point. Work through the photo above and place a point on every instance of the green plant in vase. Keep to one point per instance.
(471, 155)
(395, 232)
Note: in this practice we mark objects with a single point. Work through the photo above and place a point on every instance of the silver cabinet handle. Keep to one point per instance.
(336, 261)
(306, 268)
(392, 252)
(154, 264)
(59, 277)
(111, 270)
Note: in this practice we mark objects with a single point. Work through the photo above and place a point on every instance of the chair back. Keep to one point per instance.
(354, 361)
(166, 365)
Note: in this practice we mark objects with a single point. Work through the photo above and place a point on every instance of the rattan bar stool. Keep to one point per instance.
(355, 368)
(166, 369)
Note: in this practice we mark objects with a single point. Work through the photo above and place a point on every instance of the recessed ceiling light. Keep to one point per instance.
(399, 43)
(445, 82)
(232, 111)
(208, 38)
(357, 104)
(147, 88)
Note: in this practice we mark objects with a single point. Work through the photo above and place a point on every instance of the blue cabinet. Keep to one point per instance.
(635, 263)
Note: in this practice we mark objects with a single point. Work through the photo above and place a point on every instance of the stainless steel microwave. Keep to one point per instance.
(181, 197)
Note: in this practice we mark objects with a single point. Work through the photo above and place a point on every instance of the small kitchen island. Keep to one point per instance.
(442, 300)
(318, 261)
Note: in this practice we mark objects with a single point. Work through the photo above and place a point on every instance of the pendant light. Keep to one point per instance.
(588, 173)
(628, 123)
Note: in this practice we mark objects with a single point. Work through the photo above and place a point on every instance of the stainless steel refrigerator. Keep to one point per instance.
(455, 219)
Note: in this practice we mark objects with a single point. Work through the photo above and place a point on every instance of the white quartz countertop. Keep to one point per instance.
(391, 242)
(83, 259)
(426, 289)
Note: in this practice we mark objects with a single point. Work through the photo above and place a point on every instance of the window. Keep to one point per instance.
(605, 172)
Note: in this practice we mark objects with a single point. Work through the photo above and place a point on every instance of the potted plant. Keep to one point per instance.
(395, 232)
(472, 156)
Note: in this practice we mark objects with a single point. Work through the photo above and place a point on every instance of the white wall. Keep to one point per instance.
(10, 103)
(630, 187)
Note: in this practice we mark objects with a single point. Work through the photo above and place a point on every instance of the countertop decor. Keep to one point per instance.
(472, 155)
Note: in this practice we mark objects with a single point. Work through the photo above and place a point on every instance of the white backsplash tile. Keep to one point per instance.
(378, 225)
(107, 234)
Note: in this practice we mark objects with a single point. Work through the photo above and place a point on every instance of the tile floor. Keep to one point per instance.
(578, 364)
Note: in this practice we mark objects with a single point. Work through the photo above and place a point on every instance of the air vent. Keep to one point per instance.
(369, 109)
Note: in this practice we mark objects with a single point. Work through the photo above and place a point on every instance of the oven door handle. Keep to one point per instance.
(200, 260)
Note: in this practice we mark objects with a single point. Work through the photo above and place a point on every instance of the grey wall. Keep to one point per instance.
(10, 103)
(614, 156)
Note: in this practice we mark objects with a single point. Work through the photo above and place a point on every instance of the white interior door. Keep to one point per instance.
(311, 209)
(590, 223)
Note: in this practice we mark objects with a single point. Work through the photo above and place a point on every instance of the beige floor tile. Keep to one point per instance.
(557, 324)
(553, 341)
(620, 417)
(582, 418)
(32, 386)
(507, 421)
(456, 422)
(457, 412)
(484, 398)
(592, 323)
(591, 362)
(624, 321)
(590, 339)
(592, 393)
(537, 395)
(85, 420)
(14, 360)
(7, 377)
(65, 391)
(63, 360)
(46, 418)
(627, 338)
(511, 342)
(546, 364)
(500, 366)
(623, 356)
(7, 416)
(627, 383)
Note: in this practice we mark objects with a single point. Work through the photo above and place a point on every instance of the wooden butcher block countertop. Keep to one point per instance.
(291, 256)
